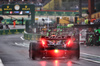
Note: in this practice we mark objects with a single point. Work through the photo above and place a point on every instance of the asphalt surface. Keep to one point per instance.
(14, 52)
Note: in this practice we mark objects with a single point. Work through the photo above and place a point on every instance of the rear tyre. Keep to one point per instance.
(38, 55)
(31, 51)
(77, 53)
(34, 51)
(74, 53)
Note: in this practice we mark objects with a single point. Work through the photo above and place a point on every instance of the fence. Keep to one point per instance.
(9, 21)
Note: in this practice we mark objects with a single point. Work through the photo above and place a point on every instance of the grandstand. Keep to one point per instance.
(51, 4)
(23, 1)
(38, 3)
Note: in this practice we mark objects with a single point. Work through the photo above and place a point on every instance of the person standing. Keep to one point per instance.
(22, 20)
(14, 23)
(97, 34)
(1, 25)
(6, 25)
(86, 21)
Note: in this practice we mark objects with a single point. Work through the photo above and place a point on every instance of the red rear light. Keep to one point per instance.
(56, 50)
(43, 42)
(69, 43)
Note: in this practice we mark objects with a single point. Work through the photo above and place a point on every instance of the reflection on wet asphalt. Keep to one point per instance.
(57, 62)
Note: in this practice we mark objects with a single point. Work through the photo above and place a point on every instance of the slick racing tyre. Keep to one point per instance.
(74, 53)
(31, 51)
(34, 51)
(77, 54)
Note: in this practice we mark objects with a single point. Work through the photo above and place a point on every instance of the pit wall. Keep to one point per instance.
(11, 31)
(30, 36)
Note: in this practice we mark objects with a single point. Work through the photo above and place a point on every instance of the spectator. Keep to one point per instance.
(6, 25)
(97, 21)
(92, 20)
(97, 34)
(83, 23)
(86, 21)
(1, 25)
(22, 20)
(89, 22)
(14, 23)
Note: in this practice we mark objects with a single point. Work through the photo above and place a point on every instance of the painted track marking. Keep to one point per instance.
(1, 64)
(89, 57)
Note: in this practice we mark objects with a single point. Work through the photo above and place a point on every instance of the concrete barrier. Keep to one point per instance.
(12, 31)
(30, 36)
(27, 36)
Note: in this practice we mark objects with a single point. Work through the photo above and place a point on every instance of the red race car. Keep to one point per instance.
(54, 46)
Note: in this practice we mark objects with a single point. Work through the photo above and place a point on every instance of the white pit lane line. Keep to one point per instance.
(22, 38)
(90, 55)
(90, 59)
(21, 44)
(1, 64)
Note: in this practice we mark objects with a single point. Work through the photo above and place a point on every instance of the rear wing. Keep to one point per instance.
(57, 37)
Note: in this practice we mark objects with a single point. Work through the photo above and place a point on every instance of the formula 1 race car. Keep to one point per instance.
(54, 46)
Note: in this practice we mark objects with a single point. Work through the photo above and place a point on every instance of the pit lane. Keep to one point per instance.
(14, 52)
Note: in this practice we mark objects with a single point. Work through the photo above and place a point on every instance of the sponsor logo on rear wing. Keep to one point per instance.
(56, 38)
